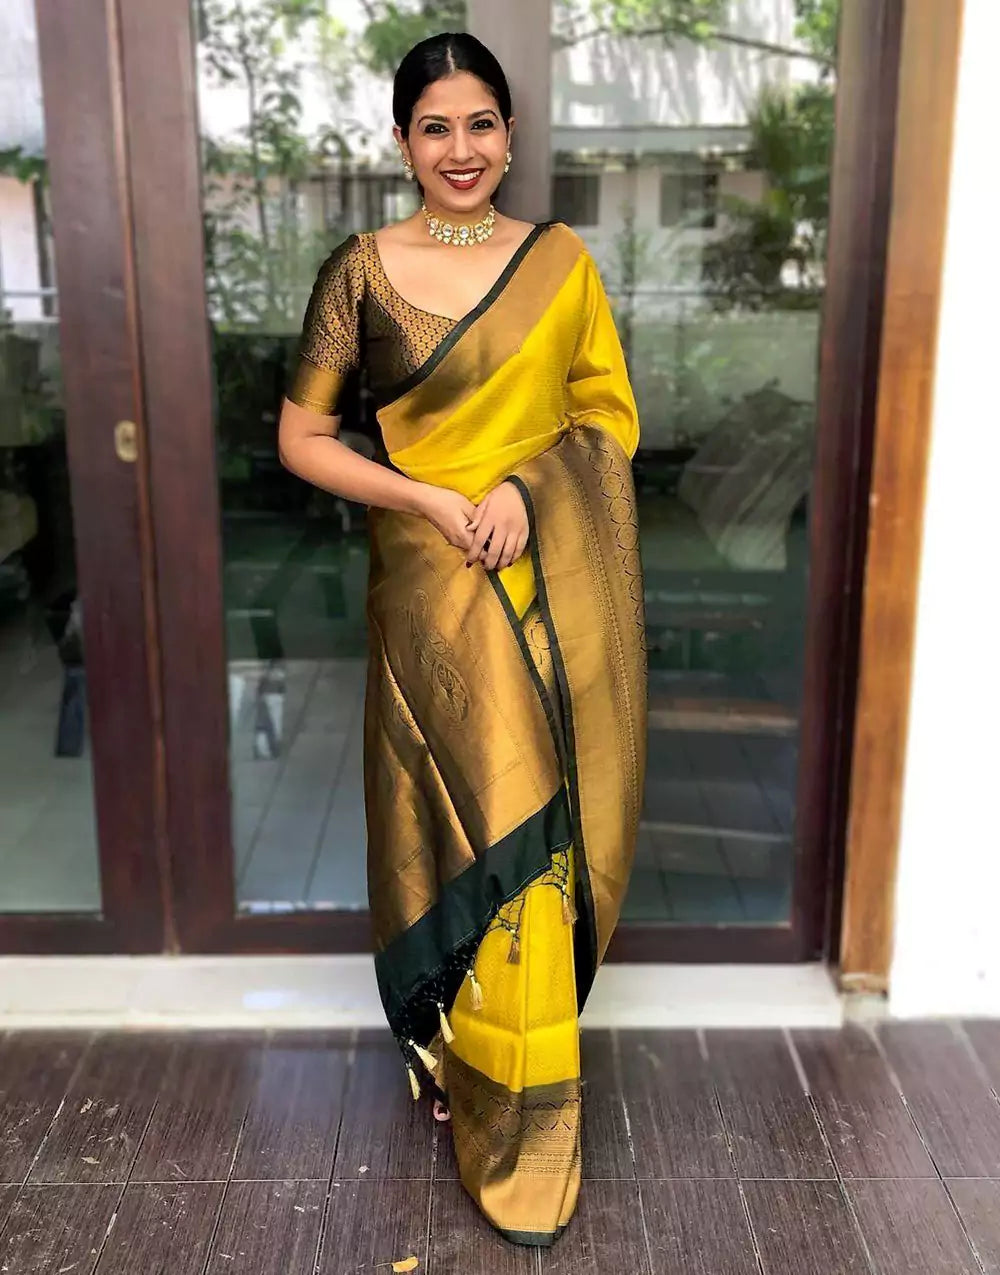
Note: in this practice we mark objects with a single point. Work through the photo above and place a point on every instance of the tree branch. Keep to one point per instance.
(728, 37)
(720, 37)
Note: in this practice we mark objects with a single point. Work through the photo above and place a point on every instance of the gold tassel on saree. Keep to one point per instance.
(425, 1056)
(447, 1035)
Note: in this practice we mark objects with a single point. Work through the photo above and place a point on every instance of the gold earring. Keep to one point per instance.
(507, 165)
(407, 167)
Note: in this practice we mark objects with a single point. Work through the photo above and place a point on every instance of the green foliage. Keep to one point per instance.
(256, 257)
(703, 21)
(633, 262)
(671, 19)
(395, 27)
(816, 26)
(15, 162)
(792, 138)
(745, 267)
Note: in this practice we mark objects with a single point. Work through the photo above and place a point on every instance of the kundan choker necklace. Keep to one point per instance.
(460, 236)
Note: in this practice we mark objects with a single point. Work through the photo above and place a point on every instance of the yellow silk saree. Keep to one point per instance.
(505, 712)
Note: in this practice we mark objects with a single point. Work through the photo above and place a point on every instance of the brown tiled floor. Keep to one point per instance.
(706, 1153)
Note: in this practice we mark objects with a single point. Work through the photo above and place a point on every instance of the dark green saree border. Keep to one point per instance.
(430, 949)
(447, 343)
(531, 1239)
(584, 935)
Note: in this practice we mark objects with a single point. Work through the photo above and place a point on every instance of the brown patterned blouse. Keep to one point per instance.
(356, 317)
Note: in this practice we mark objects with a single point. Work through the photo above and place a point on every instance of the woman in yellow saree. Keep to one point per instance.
(504, 745)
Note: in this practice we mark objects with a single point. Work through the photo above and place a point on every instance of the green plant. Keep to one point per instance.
(632, 261)
(702, 21)
(394, 27)
(16, 162)
(792, 136)
(258, 260)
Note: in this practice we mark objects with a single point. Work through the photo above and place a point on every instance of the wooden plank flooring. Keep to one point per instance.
(860, 1151)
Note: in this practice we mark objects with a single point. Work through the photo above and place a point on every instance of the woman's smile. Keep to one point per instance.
(463, 178)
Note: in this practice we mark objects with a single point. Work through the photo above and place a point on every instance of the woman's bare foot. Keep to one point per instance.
(441, 1112)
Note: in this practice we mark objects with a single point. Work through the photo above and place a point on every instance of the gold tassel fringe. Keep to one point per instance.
(477, 991)
(514, 955)
(447, 1035)
(414, 1084)
(425, 1056)
(569, 910)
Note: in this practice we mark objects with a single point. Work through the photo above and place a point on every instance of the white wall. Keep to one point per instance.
(21, 124)
(18, 250)
(21, 121)
(611, 82)
(947, 937)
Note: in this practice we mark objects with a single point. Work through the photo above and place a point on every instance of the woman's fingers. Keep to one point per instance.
(498, 543)
(478, 512)
(483, 532)
(515, 546)
(512, 550)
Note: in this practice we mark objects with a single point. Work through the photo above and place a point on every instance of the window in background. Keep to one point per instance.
(576, 198)
(689, 196)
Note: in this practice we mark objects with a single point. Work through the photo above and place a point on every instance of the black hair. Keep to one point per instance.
(441, 55)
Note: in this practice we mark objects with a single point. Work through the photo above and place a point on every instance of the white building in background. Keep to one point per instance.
(21, 124)
(662, 129)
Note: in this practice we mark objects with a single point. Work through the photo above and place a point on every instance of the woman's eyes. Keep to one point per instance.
(441, 128)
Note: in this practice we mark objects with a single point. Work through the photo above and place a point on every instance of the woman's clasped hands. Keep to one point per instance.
(494, 532)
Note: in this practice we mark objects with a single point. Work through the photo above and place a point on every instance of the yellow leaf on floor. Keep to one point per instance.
(407, 1264)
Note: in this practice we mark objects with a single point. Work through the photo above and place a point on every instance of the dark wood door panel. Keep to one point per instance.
(91, 218)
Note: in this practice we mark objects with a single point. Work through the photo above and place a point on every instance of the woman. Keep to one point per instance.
(506, 695)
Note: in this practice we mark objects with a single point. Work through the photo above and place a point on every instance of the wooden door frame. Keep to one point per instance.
(931, 41)
(81, 77)
(162, 134)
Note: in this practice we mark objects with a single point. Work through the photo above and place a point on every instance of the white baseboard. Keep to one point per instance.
(200, 992)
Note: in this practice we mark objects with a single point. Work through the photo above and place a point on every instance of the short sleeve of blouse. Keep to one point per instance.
(330, 345)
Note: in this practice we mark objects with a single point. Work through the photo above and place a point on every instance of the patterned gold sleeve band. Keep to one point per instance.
(314, 388)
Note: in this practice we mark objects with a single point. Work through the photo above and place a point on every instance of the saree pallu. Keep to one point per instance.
(505, 728)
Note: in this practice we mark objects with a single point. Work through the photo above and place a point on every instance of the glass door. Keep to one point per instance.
(704, 196)
(78, 801)
(695, 157)
(695, 162)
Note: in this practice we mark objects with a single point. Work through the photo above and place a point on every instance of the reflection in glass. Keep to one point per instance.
(297, 151)
(48, 841)
(695, 164)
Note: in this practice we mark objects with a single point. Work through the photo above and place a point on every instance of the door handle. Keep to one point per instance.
(127, 441)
